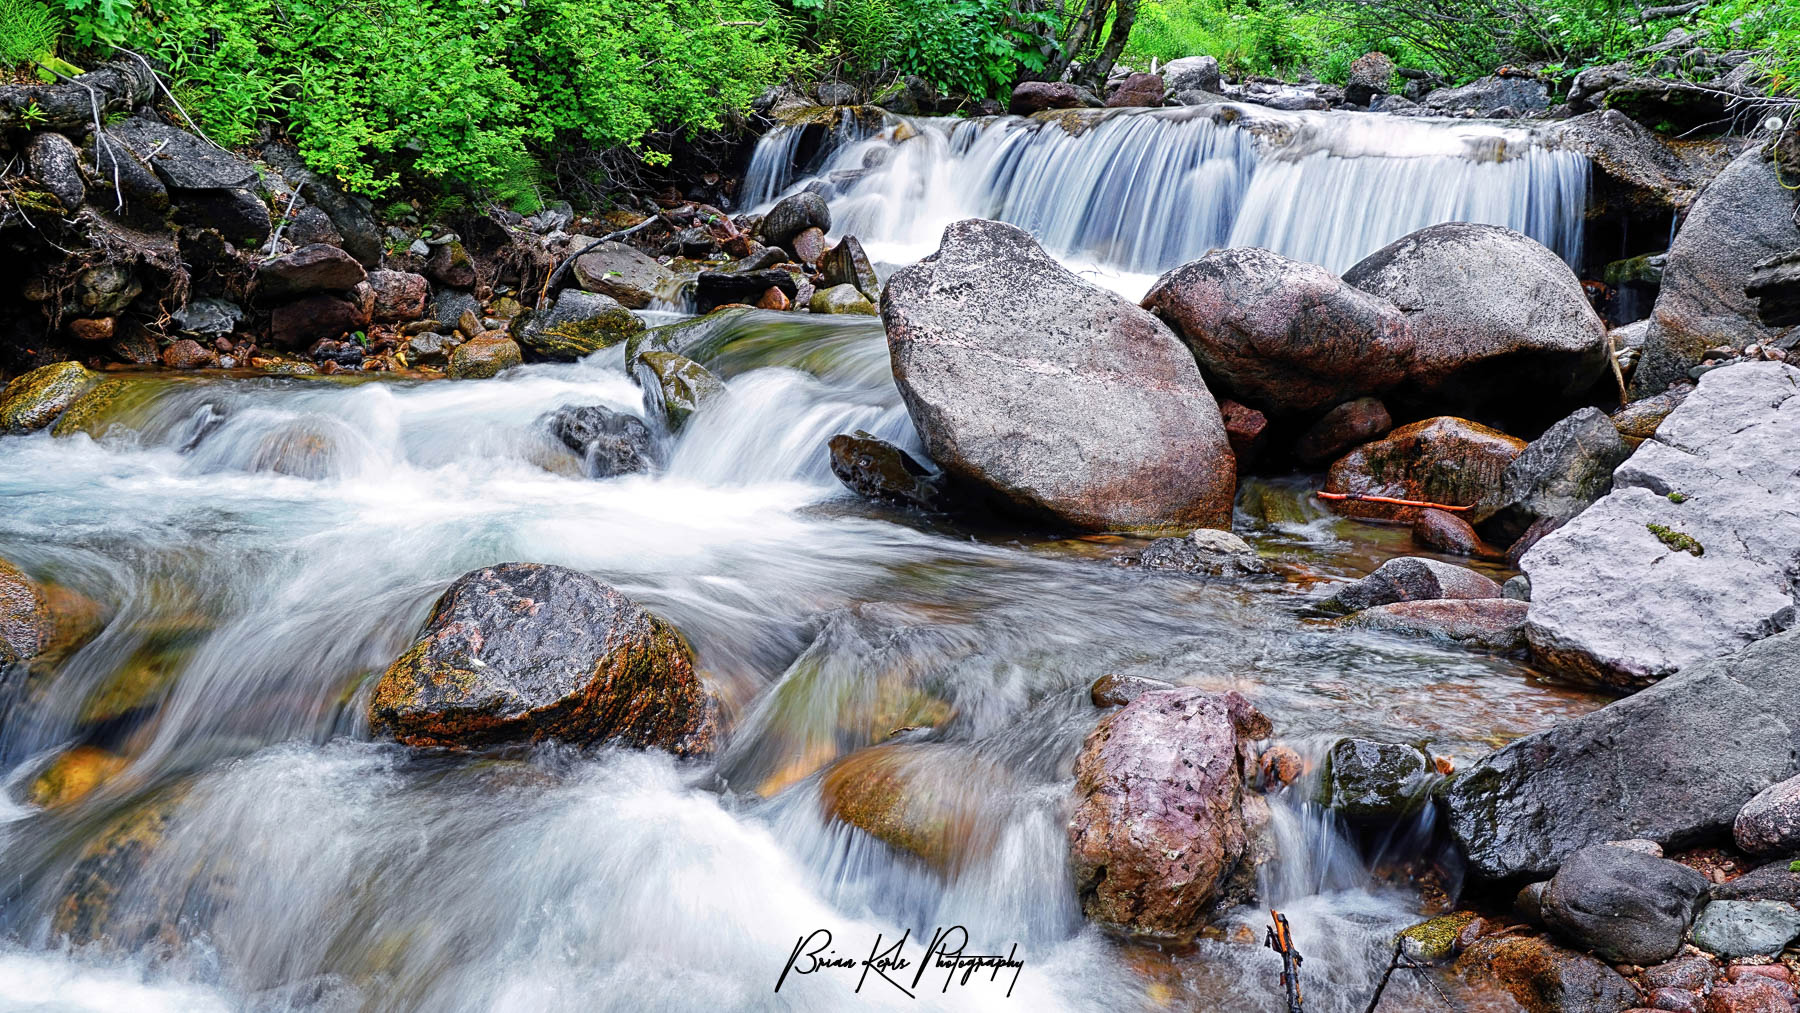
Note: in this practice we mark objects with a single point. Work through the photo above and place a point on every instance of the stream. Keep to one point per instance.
(264, 547)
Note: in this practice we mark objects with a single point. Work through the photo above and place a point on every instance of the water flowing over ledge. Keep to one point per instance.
(1141, 192)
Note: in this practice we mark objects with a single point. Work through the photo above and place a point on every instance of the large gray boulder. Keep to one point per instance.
(1625, 906)
(1694, 552)
(1742, 219)
(1560, 473)
(1634, 769)
(1490, 96)
(617, 270)
(1192, 73)
(1496, 317)
(1059, 398)
(1283, 336)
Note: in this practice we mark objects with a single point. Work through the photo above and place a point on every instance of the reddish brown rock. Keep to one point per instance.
(300, 323)
(399, 296)
(449, 265)
(1158, 824)
(1673, 1000)
(1037, 96)
(1280, 765)
(774, 299)
(523, 652)
(1448, 532)
(1283, 336)
(1349, 425)
(931, 800)
(809, 245)
(1749, 997)
(1137, 90)
(92, 329)
(314, 268)
(1440, 460)
(189, 354)
(1544, 978)
(1245, 427)
(1494, 624)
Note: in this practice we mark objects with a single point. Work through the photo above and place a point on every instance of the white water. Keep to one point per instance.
(1138, 193)
(296, 531)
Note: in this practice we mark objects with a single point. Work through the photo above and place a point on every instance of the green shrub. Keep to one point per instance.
(28, 30)
(978, 47)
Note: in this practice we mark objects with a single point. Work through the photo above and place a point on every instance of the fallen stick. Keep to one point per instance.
(1281, 940)
(1357, 497)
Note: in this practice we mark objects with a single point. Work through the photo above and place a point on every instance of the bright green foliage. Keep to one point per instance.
(28, 30)
(467, 92)
(978, 47)
(1460, 39)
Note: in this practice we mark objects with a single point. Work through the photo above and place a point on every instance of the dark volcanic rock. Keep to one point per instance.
(522, 652)
(1371, 780)
(793, 215)
(1775, 284)
(1060, 398)
(1411, 578)
(713, 289)
(1625, 906)
(847, 264)
(1283, 336)
(52, 161)
(310, 318)
(1158, 823)
(1524, 809)
(183, 161)
(1350, 424)
(315, 268)
(1520, 328)
(609, 442)
(876, 469)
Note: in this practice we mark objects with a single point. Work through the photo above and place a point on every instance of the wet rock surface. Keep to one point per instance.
(609, 442)
(34, 400)
(1158, 823)
(578, 324)
(1203, 552)
(1369, 780)
(1522, 810)
(1491, 624)
(483, 357)
(926, 799)
(522, 652)
(1544, 978)
(876, 469)
(1444, 460)
(1410, 578)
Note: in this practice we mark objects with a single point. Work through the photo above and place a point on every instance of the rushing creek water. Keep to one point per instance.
(265, 546)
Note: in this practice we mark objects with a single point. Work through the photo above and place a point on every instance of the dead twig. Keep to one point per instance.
(1281, 940)
(1358, 497)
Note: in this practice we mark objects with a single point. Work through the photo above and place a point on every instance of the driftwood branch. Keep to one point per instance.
(1357, 497)
(71, 106)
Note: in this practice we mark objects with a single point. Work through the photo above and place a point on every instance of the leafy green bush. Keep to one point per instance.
(978, 47)
(28, 30)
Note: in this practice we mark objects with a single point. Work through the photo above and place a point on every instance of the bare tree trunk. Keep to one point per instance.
(74, 105)
(1115, 39)
(1080, 34)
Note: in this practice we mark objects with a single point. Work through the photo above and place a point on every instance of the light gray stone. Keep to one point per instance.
(1615, 603)
(1746, 928)
(1769, 824)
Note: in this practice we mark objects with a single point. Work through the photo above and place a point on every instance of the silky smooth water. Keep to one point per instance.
(294, 532)
(1126, 195)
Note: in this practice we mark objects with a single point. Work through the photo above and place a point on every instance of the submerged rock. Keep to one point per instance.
(1113, 690)
(33, 400)
(1492, 624)
(1061, 399)
(609, 442)
(1743, 218)
(1522, 328)
(1624, 906)
(1692, 553)
(930, 800)
(41, 624)
(522, 652)
(578, 324)
(1158, 825)
(1370, 780)
(1441, 460)
(1284, 336)
(876, 469)
(1411, 578)
(622, 273)
(72, 776)
(1522, 810)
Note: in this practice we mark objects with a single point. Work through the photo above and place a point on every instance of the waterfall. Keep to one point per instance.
(1141, 192)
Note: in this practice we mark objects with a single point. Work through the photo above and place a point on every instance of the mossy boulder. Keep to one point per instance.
(34, 400)
(115, 401)
(1439, 460)
(578, 324)
(1371, 780)
(675, 386)
(522, 652)
(1435, 939)
(484, 357)
(693, 337)
(840, 299)
(89, 906)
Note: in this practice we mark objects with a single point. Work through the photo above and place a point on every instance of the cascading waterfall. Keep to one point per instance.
(1142, 192)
